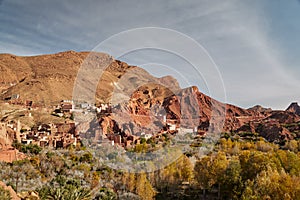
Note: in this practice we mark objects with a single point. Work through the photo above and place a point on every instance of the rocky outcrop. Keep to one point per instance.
(273, 131)
(29, 195)
(7, 136)
(193, 108)
(294, 108)
(284, 117)
(189, 108)
(259, 109)
(141, 102)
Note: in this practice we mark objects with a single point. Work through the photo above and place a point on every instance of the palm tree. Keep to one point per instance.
(79, 194)
(57, 194)
(4, 194)
(69, 193)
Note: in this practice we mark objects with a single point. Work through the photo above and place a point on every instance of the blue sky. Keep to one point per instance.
(255, 43)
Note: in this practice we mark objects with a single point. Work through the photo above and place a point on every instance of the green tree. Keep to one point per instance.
(271, 184)
(186, 169)
(86, 157)
(203, 174)
(232, 183)
(289, 161)
(253, 162)
(292, 145)
(218, 169)
(62, 188)
(131, 182)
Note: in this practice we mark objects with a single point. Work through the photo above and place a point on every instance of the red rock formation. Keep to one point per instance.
(294, 108)
(150, 98)
(273, 131)
(189, 108)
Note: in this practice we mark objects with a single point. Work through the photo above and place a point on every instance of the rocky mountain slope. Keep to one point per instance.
(189, 108)
(48, 79)
(294, 108)
(141, 101)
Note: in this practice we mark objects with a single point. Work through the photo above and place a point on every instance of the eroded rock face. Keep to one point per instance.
(189, 108)
(143, 112)
(147, 104)
(273, 131)
(109, 125)
(7, 136)
(142, 103)
(294, 108)
(193, 108)
(284, 117)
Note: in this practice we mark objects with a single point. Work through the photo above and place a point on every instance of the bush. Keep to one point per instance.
(31, 148)
(106, 194)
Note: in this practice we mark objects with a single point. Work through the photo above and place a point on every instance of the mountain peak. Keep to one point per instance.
(294, 108)
(259, 108)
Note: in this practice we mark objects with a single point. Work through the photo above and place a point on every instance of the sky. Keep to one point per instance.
(254, 44)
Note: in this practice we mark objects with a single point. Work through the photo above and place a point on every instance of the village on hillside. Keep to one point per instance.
(69, 132)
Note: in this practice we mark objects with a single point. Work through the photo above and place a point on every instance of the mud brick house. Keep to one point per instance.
(11, 155)
(64, 128)
(67, 106)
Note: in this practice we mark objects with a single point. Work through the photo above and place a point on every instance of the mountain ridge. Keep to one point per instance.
(48, 79)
